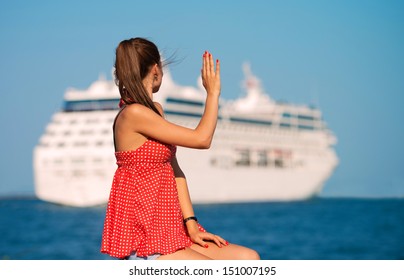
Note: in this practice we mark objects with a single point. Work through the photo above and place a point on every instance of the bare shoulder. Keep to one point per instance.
(138, 115)
(135, 111)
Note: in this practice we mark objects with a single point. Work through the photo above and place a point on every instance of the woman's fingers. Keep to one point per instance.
(222, 241)
(204, 63)
(211, 65)
(219, 241)
(200, 239)
(218, 68)
(208, 65)
(210, 76)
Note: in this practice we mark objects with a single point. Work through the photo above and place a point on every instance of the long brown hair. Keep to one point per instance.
(134, 58)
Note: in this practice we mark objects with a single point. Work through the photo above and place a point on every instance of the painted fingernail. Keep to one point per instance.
(206, 246)
(210, 55)
(217, 60)
(227, 243)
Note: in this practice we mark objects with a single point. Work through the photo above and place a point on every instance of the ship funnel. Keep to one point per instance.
(251, 83)
(255, 95)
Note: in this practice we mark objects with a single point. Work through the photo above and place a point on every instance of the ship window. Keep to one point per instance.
(58, 161)
(105, 131)
(186, 114)
(278, 162)
(61, 144)
(80, 144)
(92, 121)
(250, 121)
(67, 132)
(305, 117)
(59, 173)
(91, 105)
(243, 158)
(285, 125)
(78, 173)
(262, 158)
(77, 160)
(100, 173)
(306, 127)
(86, 132)
(99, 143)
(185, 102)
(287, 115)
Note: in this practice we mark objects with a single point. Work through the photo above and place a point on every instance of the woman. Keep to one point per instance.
(149, 213)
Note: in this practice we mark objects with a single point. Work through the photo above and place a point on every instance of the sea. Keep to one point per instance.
(315, 229)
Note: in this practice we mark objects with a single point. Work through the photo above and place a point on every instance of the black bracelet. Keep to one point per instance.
(190, 218)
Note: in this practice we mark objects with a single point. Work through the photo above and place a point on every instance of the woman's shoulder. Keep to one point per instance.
(137, 111)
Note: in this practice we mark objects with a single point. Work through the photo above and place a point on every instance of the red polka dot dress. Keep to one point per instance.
(143, 212)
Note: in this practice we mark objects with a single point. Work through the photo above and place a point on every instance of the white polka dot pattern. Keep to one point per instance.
(143, 212)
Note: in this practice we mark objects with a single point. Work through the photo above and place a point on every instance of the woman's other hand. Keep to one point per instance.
(210, 77)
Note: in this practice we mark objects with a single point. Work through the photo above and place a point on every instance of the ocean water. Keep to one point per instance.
(317, 229)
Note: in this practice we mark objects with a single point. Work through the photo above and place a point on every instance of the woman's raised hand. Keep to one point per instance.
(210, 77)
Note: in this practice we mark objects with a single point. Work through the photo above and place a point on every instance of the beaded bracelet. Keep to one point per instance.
(190, 218)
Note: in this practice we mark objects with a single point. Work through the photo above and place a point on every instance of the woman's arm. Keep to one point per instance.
(183, 195)
(188, 211)
(146, 122)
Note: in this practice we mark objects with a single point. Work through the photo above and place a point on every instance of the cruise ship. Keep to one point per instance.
(262, 150)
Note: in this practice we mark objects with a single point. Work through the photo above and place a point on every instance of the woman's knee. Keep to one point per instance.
(251, 254)
(245, 253)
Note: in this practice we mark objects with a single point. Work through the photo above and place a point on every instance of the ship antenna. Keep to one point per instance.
(251, 84)
(247, 69)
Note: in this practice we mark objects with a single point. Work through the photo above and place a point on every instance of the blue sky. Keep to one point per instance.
(344, 56)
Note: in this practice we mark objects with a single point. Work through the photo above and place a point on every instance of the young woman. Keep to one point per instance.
(149, 213)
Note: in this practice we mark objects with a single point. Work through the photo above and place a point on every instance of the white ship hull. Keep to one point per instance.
(250, 159)
(86, 182)
(67, 187)
(211, 185)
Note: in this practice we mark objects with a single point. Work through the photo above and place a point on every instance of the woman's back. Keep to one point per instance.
(150, 153)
